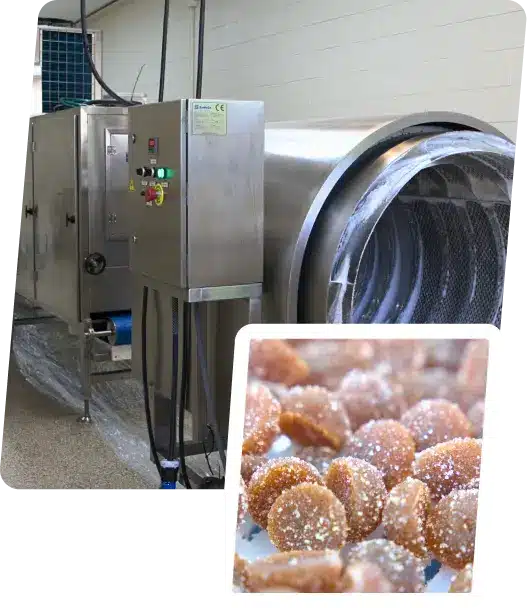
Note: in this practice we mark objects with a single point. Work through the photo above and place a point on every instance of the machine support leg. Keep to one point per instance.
(85, 369)
(255, 310)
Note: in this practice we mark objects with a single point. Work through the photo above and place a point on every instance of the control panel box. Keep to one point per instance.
(196, 192)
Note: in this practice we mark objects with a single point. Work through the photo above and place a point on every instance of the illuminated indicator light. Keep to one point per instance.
(164, 173)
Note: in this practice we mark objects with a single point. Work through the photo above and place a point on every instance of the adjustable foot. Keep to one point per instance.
(85, 419)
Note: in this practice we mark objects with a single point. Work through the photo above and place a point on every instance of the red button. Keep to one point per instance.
(150, 195)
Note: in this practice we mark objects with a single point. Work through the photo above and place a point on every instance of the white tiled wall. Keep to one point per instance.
(323, 58)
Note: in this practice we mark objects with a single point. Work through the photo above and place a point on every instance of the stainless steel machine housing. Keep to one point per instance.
(75, 199)
(73, 258)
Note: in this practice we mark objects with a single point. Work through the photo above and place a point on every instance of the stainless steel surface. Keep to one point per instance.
(78, 181)
(208, 232)
(307, 164)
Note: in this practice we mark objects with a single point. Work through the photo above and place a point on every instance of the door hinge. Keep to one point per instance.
(33, 146)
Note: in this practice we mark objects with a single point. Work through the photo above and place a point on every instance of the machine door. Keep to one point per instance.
(104, 230)
(25, 278)
(55, 165)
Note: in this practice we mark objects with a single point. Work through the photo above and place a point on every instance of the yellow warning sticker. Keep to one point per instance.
(209, 118)
(131, 186)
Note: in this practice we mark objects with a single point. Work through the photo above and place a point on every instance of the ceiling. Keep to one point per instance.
(69, 10)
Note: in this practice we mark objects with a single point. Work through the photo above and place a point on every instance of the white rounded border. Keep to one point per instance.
(493, 543)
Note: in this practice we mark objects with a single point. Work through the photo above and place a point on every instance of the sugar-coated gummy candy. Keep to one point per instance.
(262, 414)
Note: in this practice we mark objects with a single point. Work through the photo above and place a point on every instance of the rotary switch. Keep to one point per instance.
(145, 172)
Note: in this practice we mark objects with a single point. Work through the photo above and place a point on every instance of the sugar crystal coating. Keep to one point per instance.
(302, 571)
(262, 413)
(277, 361)
(307, 517)
(250, 463)
(402, 569)
(462, 582)
(363, 577)
(476, 415)
(387, 445)
(367, 395)
(434, 421)
(312, 417)
(405, 515)
(448, 466)
(451, 528)
(319, 456)
(273, 478)
(360, 488)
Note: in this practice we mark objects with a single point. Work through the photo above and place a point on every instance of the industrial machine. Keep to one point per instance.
(196, 170)
(74, 251)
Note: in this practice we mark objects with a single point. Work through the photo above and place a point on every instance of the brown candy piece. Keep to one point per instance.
(363, 577)
(262, 413)
(472, 373)
(387, 445)
(250, 463)
(448, 466)
(476, 415)
(360, 488)
(451, 528)
(312, 417)
(242, 502)
(401, 568)
(330, 360)
(319, 456)
(307, 517)
(301, 571)
(394, 356)
(273, 478)
(462, 582)
(430, 383)
(405, 515)
(367, 395)
(434, 421)
(277, 361)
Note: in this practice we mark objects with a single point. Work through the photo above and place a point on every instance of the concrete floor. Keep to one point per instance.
(45, 447)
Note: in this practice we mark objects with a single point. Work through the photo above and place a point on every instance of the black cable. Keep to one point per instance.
(172, 424)
(184, 387)
(211, 406)
(166, 15)
(93, 69)
(144, 363)
(201, 39)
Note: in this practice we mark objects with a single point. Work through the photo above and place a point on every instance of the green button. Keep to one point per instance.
(164, 173)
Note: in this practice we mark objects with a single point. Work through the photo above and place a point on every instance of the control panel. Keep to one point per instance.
(196, 192)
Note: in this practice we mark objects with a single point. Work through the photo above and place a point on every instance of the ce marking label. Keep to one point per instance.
(220, 107)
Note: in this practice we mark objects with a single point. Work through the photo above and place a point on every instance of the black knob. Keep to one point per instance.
(29, 211)
(70, 219)
(145, 172)
(95, 263)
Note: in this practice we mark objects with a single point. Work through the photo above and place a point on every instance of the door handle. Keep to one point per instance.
(70, 219)
(29, 211)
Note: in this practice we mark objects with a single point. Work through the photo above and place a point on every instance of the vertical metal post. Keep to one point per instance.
(85, 370)
(255, 310)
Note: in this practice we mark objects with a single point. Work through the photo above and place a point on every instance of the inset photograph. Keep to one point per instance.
(360, 465)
